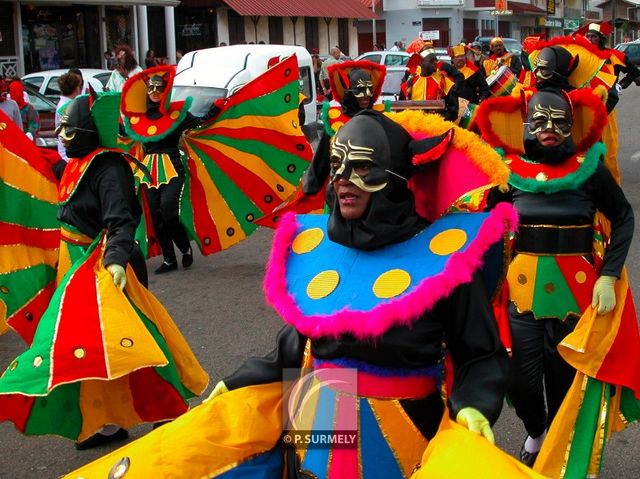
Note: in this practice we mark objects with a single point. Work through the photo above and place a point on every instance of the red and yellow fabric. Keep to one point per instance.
(29, 234)
(99, 356)
(215, 438)
(468, 70)
(247, 160)
(161, 168)
(492, 63)
(456, 452)
(433, 87)
(133, 105)
(605, 394)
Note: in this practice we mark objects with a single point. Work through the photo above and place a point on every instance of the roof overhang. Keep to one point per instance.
(302, 8)
(128, 3)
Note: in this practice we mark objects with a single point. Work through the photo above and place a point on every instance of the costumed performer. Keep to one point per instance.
(557, 183)
(356, 302)
(105, 356)
(501, 57)
(158, 124)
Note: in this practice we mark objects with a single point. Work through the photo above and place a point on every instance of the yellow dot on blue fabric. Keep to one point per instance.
(448, 241)
(391, 283)
(323, 284)
(307, 240)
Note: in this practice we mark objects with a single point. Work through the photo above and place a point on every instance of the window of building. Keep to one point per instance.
(276, 35)
(311, 33)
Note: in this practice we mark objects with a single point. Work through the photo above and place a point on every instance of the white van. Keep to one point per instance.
(212, 73)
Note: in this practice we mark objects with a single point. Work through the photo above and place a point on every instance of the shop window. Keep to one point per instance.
(311, 33)
(236, 28)
(343, 35)
(276, 35)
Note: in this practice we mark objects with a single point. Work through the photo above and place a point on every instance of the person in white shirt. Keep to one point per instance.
(70, 87)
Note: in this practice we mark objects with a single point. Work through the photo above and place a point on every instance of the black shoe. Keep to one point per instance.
(99, 439)
(165, 267)
(187, 258)
(526, 457)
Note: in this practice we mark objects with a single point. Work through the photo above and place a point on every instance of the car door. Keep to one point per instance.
(393, 60)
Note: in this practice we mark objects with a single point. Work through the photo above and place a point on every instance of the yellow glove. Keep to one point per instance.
(220, 388)
(118, 275)
(475, 421)
(604, 294)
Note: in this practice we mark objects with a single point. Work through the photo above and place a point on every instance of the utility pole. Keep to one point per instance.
(373, 23)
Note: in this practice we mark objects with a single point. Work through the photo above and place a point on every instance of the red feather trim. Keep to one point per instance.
(166, 71)
(585, 97)
(506, 104)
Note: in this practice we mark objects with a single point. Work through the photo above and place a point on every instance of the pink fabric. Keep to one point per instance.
(396, 312)
(344, 461)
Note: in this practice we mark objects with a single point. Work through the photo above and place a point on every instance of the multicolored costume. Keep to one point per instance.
(99, 355)
(357, 303)
(561, 193)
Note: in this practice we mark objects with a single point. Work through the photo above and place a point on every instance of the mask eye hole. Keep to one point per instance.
(155, 89)
(362, 169)
(67, 133)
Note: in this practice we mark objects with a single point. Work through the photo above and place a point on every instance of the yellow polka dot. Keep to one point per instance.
(580, 159)
(83, 166)
(542, 176)
(334, 113)
(126, 342)
(134, 120)
(448, 241)
(323, 284)
(37, 361)
(174, 114)
(3, 125)
(522, 279)
(307, 240)
(79, 353)
(337, 125)
(581, 277)
(152, 130)
(391, 283)
(70, 187)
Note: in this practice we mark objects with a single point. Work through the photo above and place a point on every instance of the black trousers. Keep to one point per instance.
(164, 203)
(538, 371)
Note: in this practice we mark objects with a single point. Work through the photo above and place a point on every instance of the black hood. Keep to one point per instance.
(390, 216)
(553, 66)
(77, 120)
(359, 80)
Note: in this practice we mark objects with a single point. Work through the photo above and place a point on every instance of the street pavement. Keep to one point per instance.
(218, 304)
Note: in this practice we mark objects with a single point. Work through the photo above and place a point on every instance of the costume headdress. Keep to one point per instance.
(340, 77)
(457, 50)
(135, 105)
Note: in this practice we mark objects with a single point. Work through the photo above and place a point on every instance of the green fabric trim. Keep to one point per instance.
(274, 103)
(23, 285)
(149, 139)
(552, 297)
(105, 112)
(629, 406)
(585, 430)
(570, 181)
(325, 118)
(59, 413)
(26, 210)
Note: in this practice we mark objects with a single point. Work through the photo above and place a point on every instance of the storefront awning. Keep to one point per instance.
(302, 8)
(516, 7)
(127, 3)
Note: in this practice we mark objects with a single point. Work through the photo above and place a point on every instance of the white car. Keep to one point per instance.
(386, 58)
(46, 82)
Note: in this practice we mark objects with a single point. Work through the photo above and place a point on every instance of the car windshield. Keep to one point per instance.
(512, 46)
(203, 97)
(392, 82)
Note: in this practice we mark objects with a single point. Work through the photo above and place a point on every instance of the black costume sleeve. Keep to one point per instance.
(630, 70)
(516, 65)
(451, 105)
(480, 361)
(479, 84)
(454, 73)
(268, 369)
(112, 183)
(610, 199)
(316, 175)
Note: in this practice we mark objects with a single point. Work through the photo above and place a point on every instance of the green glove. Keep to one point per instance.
(604, 294)
(220, 389)
(475, 421)
(118, 275)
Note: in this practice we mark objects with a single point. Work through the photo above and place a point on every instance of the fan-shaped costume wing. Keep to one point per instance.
(29, 230)
(246, 161)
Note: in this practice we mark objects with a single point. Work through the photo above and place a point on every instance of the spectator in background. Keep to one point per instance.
(84, 85)
(28, 114)
(126, 67)
(334, 57)
(317, 66)
(179, 55)
(395, 47)
(150, 59)
(110, 60)
(8, 106)
(70, 87)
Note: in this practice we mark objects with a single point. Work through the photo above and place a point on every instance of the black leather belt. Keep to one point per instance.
(554, 240)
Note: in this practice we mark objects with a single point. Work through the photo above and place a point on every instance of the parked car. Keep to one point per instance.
(46, 109)
(510, 44)
(386, 58)
(632, 50)
(392, 82)
(46, 82)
